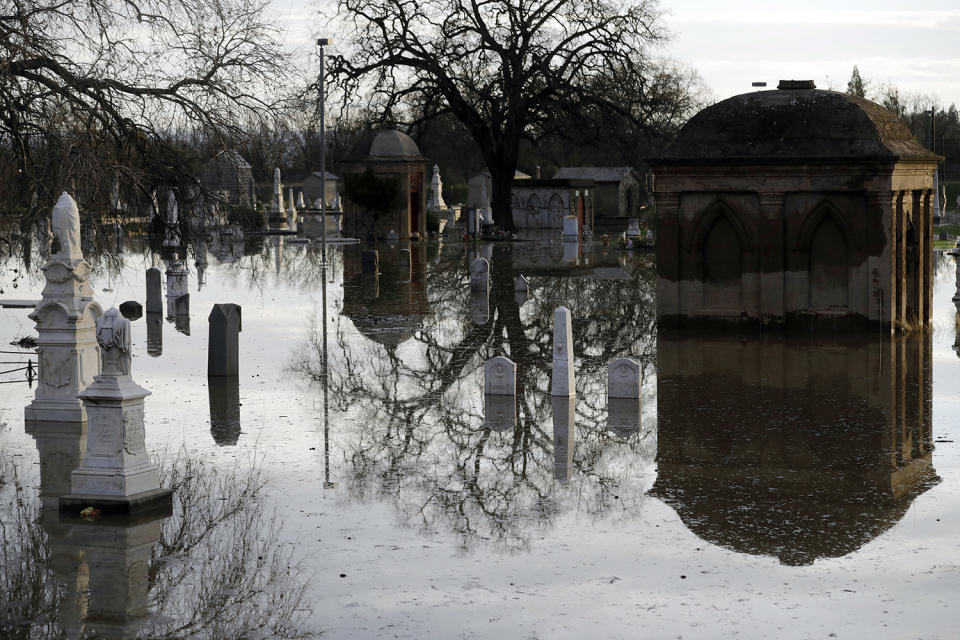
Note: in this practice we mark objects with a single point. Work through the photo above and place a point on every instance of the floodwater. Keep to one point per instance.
(353, 481)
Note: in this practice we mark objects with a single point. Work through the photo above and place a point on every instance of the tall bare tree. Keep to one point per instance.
(503, 68)
(104, 91)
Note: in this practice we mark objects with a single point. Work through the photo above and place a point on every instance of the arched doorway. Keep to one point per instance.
(722, 266)
(829, 266)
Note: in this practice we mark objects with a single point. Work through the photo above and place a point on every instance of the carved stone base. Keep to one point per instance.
(56, 411)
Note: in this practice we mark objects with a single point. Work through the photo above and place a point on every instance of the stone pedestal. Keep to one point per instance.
(116, 475)
(66, 317)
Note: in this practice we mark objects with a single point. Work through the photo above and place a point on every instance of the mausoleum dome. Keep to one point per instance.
(795, 121)
(386, 144)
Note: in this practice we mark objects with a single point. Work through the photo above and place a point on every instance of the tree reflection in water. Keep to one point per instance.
(214, 569)
(412, 387)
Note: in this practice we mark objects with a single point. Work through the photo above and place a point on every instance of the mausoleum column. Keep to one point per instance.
(882, 307)
(926, 246)
(669, 253)
(900, 264)
(772, 259)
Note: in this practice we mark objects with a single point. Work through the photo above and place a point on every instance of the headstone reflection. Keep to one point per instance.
(224, 394)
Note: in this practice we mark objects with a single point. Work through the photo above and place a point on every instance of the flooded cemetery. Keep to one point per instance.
(724, 408)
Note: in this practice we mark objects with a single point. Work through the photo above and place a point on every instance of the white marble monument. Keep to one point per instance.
(623, 378)
(66, 319)
(562, 383)
(172, 222)
(301, 204)
(480, 275)
(500, 376)
(116, 470)
(435, 201)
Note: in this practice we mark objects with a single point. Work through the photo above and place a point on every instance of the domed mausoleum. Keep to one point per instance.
(796, 208)
(390, 152)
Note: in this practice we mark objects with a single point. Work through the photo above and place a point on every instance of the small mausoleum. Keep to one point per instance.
(230, 178)
(617, 191)
(390, 152)
(795, 208)
(318, 183)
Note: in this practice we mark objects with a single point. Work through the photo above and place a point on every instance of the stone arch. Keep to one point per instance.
(534, 205)
(827, 237)
(556, 210)
(721, 253)
(709, 217)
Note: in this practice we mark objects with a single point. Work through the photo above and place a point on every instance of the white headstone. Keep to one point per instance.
(633, 228)
(520, 283)
(623, 378)
(480, 275)
(66, 317)
(571, 228)
(300, 202)
(500, 376)
(116, 463)
(563, 383)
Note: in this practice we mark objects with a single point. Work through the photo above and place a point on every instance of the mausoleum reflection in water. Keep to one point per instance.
(797, 448)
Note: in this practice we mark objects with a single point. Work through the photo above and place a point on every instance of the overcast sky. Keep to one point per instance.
(731, 43)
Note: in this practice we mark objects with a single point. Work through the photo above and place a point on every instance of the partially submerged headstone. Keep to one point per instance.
(500, 376)
(623, 415)
(623, 378)
(116, 473)
(223, 354)
(633, 228)
(66, 316)
(154, 291)
(479, 275)
(571, 228)
(562, 383)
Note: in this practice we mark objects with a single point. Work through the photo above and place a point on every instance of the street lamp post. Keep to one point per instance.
(321, 42)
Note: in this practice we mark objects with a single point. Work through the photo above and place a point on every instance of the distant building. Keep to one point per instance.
(315, 184)
(228, 176)
(617, 191)
(798, 208)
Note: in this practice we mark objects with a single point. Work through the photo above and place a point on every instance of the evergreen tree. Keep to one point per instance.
(856, 86)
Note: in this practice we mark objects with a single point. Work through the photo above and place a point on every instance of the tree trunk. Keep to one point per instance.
(502, 169)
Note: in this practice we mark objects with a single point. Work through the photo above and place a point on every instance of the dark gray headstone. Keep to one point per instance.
(131, 310)
(223, 348)
(370, 262)
(154, 291)
(181, 306)
(224, 392)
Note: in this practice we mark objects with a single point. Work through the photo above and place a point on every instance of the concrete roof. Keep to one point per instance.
(802, 123)
(517, 175)
(386, 144)
(597, 174)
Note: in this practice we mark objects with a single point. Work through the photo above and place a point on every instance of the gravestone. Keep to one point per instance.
(562, 383)
(633, 228)
(116, 474)
(131, 310)
(301, 205)
(564, 438)
(277, 214)
(571, 229)
(480, 275)
(154, 291)
(520, 283)
(223, 348)
(291, 210)
(499, 412)
(623, 378)
(435, 201)
(370, 261)
(66, 316)
(571, 252)
(177, 278)
(500, 376)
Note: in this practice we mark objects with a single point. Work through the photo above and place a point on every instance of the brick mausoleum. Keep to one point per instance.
(795, 208)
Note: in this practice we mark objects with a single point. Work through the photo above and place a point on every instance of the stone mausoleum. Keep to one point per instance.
(390, 152)
(796, 208)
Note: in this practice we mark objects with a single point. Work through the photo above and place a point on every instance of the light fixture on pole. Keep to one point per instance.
(321, 42)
